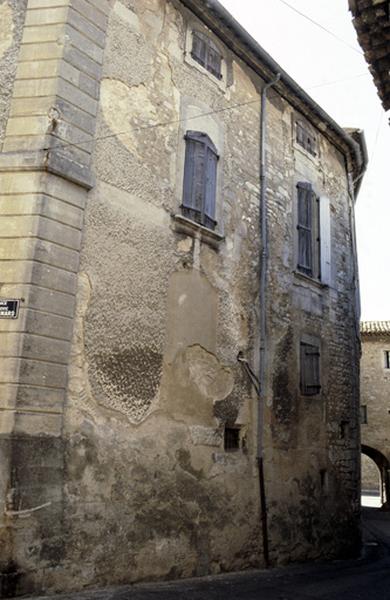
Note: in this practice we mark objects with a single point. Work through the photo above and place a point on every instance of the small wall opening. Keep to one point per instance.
(371, 483)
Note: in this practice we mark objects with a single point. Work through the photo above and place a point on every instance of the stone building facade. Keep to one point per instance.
(375, 406)
(131, 431)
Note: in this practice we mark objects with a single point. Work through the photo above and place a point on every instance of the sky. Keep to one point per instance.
(331, 68)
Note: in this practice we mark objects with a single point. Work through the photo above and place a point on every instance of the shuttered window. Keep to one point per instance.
(310, 369)
(205, 52)
(308, 227)
(305, 139)
(200, 179)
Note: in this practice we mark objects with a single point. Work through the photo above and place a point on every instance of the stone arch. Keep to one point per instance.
(383, 465)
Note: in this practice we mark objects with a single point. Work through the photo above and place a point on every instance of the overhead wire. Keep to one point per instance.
(322, 27)
(130, 130)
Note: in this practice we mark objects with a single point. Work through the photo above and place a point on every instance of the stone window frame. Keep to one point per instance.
(204, 32)
(314, 342)
(214, 129)
(386, 360)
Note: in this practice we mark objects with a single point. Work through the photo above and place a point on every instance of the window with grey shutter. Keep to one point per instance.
(199, 49)
(200, 179)
(305, 138)
(305, 254)
(206, 53)
(308, 226)
(310, 369)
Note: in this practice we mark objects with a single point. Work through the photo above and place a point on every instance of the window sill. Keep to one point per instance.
(315, 159)
(183, 225)
(311, 280)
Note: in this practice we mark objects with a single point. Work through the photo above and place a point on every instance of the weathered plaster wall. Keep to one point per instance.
(161, 320)
(163, 315)
(163, 309)
(12, 15)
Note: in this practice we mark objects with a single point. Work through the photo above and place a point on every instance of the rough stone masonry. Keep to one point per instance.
(128, 428)
(375, 407)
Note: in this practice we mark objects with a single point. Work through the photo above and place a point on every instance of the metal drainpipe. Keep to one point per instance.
(263, 316)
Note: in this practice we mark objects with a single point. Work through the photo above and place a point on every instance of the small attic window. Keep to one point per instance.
(305, 138)
(206, 53)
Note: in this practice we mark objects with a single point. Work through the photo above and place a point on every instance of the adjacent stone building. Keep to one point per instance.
(375, 406)
(179, 340)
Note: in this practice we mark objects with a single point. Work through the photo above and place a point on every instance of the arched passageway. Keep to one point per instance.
(383, 466)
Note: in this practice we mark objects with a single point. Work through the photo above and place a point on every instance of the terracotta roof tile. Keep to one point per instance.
(375, 327)
(371, 19)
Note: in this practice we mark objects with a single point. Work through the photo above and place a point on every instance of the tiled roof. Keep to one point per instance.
(375, 327)
(372, 24)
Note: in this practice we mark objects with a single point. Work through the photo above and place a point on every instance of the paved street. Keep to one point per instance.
(365, 579)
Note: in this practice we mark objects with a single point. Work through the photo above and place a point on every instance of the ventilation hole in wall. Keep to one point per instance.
(324, 480)
(344, 429)
(232, 439)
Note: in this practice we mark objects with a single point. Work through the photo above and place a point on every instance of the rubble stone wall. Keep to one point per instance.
(375, 396)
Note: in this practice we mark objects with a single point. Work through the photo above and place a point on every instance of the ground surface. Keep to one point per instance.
(365, 579)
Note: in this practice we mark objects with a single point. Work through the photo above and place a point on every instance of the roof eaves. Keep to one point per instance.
(371, 328)
(219, 20)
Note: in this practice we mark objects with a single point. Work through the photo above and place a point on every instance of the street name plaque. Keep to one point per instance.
(9, 309)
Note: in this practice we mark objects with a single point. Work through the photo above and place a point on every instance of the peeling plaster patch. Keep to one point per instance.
(127, 15)
(182, 299)
(6, 28)
(206, 372)
(185, 245)
(126, 107)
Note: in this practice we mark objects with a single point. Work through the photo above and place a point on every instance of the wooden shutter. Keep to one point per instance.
(300, 133)
(310, 369)
(214, 61)
(189, 165)
(325, 240)
(210, 189)
(199, 49)
(200, 178)
(304, 226)
(194, 179)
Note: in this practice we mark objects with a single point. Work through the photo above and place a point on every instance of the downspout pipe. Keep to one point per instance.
(263, 313)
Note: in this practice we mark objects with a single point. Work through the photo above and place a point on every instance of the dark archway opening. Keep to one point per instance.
(375, 478)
